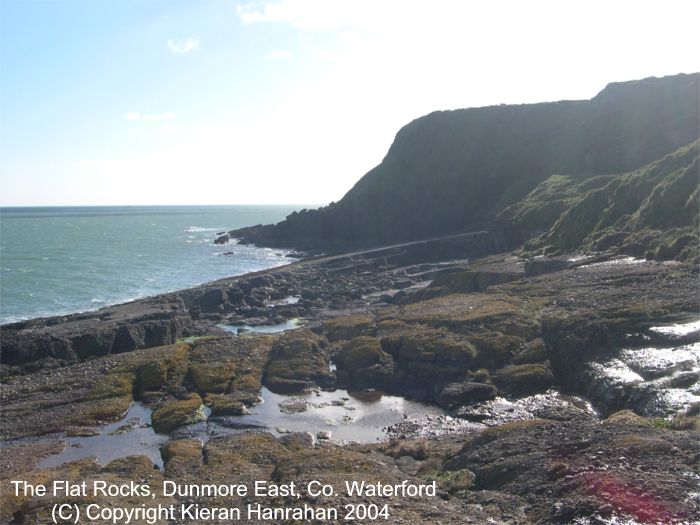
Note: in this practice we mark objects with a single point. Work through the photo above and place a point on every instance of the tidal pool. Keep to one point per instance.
(131, 435)
(655, 362)
(677, 330)
(340, 416)
(501, 410)
(290, 299)
(361, 417)
(291, 324)
(653, 381)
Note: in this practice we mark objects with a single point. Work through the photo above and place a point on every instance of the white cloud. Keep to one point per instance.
(323, 15)
(183, 46)
(279, 53)
(305, 15)
(137, 116)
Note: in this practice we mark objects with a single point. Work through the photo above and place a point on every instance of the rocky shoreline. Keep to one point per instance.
(562, 390)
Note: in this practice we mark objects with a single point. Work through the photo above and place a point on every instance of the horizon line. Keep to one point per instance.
(3, 206)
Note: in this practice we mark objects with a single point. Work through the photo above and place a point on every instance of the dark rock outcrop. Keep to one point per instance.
(458, 394)
(142, 324)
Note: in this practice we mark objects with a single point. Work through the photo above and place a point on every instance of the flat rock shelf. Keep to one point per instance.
(540, 391)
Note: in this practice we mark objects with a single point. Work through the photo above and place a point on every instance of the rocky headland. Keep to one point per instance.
(472, 169)
(542, 366)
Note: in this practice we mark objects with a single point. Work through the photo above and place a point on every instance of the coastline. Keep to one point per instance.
(127, 301)
(492, 341)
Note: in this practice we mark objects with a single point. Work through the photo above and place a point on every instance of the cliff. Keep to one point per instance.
(455, 171)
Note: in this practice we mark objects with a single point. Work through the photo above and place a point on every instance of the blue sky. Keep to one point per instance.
(284, 101)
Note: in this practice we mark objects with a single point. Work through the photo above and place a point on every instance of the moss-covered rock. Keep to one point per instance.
(182, 455)
(465, 392)
(212, 377)
(431, 346)
(161, 368)
(177, 364)
(346, 327)
(363, 364)
(298, 360)
(103, 410)
(112, 385)
(230, 367)
(494, 349)
(108, 399)
(224, 405)
(524, 379)
(461, 310)
(532, 352)
(456, 481)
(151, 376)
(175, 413)
(246, 387)
(252, 456)
(361, 352)
(627, 418)
(212, 365)
(423, 359)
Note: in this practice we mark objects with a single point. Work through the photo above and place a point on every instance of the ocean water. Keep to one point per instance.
(56, 261)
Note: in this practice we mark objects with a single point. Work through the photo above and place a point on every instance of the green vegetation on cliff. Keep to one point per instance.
(651, 212)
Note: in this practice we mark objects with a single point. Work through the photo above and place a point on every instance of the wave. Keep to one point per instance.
(63, 308)
(193, 229)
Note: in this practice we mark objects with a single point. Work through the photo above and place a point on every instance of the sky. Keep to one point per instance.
(126, 102)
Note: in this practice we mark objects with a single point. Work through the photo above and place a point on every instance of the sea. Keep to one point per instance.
(61, 260)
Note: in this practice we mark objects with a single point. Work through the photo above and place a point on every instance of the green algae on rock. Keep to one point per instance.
(174, 413)
(363, 364)
(298, 360)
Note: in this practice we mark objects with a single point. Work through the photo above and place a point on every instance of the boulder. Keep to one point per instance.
(177, 412)
(465, 392)
(363, 364)
(298, 440)
(524, 379)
